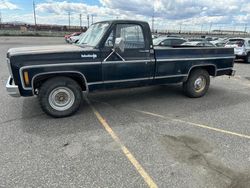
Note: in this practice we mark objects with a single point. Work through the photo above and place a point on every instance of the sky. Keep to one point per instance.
(168, 14)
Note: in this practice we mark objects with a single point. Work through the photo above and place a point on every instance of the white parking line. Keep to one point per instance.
(150, 182)
(195, 124)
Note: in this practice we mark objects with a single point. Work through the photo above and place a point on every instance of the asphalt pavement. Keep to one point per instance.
(139, 137)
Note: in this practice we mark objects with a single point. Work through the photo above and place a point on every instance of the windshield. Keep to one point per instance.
(94, 34)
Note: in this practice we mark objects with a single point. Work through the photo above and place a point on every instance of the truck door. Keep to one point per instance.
(131, 67)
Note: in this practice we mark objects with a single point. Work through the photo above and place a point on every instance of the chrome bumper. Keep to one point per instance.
(11, 88)
(233, 72)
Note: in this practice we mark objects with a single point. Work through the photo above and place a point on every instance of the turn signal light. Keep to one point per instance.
(26, 78)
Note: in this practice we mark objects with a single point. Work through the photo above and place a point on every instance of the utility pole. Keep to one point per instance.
(34, 10)
(201, 28)
(245, 31)
(88, 20)
(92, 19)
(211, 24)
(153, 18)
(69, 19)
(180, 27)
(80, 20)
(0, 17)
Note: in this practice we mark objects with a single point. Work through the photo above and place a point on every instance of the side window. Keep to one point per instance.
(167, 42)
(249, 43)
(110, 40)
(132, 35)
(177, 42)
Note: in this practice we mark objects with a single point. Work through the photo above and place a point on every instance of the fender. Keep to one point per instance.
(61, 73)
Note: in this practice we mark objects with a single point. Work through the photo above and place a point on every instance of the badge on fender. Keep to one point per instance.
(89, 56)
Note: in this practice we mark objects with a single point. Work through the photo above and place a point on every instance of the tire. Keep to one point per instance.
(247, 58)
(197, 83)
(60, 97)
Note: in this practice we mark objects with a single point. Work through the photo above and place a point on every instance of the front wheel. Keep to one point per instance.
(197, 83)
(60, 97)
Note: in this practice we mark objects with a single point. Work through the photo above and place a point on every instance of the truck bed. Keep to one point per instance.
(177, 62)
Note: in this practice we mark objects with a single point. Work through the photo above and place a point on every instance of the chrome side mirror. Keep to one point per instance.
(119, 44)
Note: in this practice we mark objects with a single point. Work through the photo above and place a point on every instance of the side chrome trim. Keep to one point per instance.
(229, 68)
(194, 59)
(171, 76)
(133, 61)
(94, 83)
(51, 65)
(127, 80)
(58, 72)
(137, 79)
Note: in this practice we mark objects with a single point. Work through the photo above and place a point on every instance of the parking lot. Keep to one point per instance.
(140, 137)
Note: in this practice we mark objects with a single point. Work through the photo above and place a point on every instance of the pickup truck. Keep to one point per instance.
(112, 54)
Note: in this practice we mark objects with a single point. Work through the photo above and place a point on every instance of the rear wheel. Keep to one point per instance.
(60, 97)
(197, 84)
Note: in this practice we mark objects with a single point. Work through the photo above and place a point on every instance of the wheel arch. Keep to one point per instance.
(210, 68)
(40, 78)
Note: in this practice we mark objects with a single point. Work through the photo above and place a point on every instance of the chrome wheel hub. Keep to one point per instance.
(200, 84)
(61, 98)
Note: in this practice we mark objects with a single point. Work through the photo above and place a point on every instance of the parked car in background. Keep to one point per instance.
(168, 41)
(207, 38)
(196, 39)
(219, 43)
(75, 39)
(199, 44)
(66, 37)
(241, 48)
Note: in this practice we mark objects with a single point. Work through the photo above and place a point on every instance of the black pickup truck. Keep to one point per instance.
(112, 54)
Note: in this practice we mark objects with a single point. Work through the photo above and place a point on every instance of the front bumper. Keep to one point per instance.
(11, 88)
(232, 72)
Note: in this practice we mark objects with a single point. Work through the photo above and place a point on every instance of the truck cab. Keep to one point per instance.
(110, 55)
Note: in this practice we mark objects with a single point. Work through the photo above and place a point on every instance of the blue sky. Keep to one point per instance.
(188, 14)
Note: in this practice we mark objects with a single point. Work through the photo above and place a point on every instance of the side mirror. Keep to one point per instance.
(119, 44)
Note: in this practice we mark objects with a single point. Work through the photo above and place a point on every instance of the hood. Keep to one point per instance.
(44, 49)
